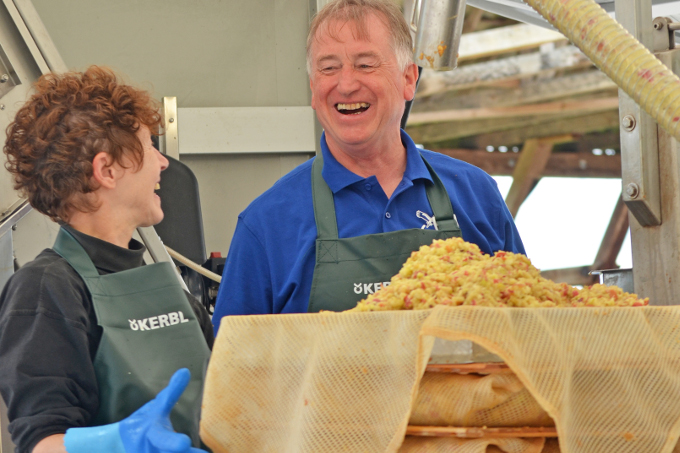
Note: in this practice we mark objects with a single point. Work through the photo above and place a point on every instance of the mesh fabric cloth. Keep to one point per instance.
(609, 377)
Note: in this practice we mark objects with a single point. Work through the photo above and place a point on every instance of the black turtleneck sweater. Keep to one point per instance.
(49, 337)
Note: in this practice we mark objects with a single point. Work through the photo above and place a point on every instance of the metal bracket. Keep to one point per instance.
(639, 162)
(664, 35)
(11, 216)
(157, 250)
(8, 78)
(169, 141)
(639, 142)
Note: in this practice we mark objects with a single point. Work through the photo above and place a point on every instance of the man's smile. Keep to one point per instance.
(352, 109)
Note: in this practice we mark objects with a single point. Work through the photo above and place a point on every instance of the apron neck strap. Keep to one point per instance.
(440, 201)
(70, 249)
(324, 208)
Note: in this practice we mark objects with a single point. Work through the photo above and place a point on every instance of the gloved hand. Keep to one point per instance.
(147, 430)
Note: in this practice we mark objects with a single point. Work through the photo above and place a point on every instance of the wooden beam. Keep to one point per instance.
(569, 108)
(539, 65)
(503, 40)
(571, 276)
(606, 255)
(562, 164)
(511, 131)
(472, 17)
(583, 143)
(513, 91)
(532, 161)
(613, 238)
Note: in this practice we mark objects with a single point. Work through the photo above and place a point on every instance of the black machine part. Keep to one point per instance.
(182, 226)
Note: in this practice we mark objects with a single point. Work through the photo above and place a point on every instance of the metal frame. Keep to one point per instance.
(651, 169)
(8, 77)
(169, 141)
(656, 268)
(35, 27)
(9, 219)
(239, 130)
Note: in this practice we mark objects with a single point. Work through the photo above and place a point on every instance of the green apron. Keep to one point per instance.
(149, 332)
(348, 270)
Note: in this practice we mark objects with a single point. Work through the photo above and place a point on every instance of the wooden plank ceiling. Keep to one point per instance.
(525, 102)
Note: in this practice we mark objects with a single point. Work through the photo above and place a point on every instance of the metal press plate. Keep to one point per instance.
(462, 351)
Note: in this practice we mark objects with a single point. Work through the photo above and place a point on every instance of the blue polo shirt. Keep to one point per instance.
(271, 259)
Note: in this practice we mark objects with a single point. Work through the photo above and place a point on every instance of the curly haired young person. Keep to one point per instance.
(88, 334)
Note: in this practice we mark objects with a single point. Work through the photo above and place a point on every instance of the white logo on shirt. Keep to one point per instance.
(158, 322)
(429, 221)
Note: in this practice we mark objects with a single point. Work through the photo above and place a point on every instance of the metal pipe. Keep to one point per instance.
(440, 24)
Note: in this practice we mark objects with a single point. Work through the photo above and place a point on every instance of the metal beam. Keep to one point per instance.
(572, 275)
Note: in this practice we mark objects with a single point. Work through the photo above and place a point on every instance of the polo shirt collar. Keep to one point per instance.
(338, 177)
(415, 166)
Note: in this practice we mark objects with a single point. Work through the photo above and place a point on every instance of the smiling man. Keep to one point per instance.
(338, 227)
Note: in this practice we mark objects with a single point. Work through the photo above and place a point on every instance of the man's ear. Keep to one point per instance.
(104, 172)
(410, 81)
(311, 87)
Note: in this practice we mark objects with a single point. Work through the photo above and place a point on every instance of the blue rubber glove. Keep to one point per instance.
(147, 430)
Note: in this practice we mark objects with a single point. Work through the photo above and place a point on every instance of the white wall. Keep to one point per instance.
(207, 53)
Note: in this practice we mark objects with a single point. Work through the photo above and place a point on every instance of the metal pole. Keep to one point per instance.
(440, 24)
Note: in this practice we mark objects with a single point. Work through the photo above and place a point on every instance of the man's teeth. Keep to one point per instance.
(356, 106)
(158, 186)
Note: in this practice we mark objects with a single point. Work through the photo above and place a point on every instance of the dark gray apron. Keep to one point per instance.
(348, 270)
(149, 332)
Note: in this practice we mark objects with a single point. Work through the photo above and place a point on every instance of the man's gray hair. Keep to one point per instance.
(355, 12)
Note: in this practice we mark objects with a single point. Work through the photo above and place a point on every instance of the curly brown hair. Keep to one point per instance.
(69, 120)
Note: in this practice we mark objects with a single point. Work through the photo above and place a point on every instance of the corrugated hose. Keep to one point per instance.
(619, 55)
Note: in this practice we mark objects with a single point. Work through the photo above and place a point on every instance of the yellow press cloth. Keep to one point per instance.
(496, 400)
(609, 377)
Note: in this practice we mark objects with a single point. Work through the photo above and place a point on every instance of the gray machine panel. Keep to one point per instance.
(21, 64)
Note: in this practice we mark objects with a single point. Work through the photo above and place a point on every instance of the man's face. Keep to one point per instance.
(138, 201)
(358, 88)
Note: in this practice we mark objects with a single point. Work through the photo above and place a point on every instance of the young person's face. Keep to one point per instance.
(136, 188)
